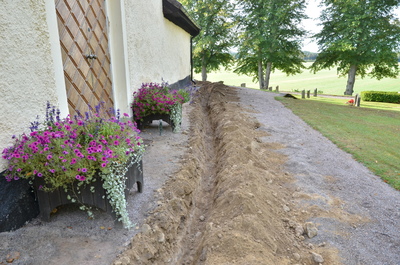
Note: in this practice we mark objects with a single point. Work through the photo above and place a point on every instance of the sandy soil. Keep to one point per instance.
(247, 182)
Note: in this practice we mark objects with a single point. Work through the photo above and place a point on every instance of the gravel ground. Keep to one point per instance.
(367, 230)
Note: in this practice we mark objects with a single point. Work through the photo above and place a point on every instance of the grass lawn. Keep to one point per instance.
(370, 133)
(326, 81)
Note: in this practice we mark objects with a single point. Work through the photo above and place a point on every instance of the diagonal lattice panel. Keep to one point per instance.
(82, 28)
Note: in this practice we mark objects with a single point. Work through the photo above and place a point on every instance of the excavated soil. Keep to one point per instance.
(231, 201)
(246, 183)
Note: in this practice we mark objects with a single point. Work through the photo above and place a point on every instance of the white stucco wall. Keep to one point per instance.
(27, 75)
(157, 48)
(144, 47)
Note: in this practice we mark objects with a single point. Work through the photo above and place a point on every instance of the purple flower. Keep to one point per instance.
(49, 157)
(103, 164)
(39, 175)
(79, 177)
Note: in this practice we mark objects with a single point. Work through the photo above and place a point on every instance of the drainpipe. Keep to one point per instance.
(191, 59)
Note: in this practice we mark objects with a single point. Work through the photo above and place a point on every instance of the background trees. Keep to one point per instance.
(270, 38)
(360, 37)
(211, 46)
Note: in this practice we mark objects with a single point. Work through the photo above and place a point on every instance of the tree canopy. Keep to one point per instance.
(212, 45)
(359, 37)
(270, 38)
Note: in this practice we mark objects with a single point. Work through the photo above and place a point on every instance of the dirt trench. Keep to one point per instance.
(230, 202)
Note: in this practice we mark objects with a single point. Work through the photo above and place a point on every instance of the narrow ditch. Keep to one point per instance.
(230, 202)
(190, 250)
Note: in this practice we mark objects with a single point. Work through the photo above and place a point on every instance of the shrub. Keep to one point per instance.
(381, 96)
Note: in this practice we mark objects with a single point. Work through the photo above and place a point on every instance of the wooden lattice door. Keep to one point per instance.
(82, 26)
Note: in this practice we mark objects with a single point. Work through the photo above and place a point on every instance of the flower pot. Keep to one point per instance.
(50, 200)
(150, 118)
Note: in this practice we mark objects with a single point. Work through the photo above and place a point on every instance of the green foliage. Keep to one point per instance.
(381, 96)
(269, 33)
(359, 33)
(211, 46)
(65, 152)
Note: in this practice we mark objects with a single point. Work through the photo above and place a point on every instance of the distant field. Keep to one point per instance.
(326, 81)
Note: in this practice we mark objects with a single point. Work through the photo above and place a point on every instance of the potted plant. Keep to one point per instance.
(74, 155)
(154, 101)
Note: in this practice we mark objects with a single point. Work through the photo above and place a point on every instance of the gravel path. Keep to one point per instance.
(364, 224)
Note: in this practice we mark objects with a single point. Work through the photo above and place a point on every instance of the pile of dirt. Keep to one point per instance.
(231, 201)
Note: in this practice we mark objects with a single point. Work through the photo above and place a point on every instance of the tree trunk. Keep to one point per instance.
(260, 74)
(203, 69)
(267, 74)
(351, 79)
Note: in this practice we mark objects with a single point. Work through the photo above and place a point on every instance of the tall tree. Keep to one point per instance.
(359, 37)
(211, 46)
(270, 38)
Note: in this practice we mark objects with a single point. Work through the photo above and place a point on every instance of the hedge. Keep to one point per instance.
(380, 96)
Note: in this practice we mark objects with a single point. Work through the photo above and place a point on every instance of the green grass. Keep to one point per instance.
(370, 134)
(325, 80)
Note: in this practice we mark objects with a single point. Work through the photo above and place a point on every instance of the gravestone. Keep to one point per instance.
(277, 89)
(303, 94)
(18, 204)
(270, 88)
(308, 93)
(315, 92)
(243, 85)
(357, 100)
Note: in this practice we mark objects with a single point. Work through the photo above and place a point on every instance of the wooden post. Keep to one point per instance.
(315, 92)
(303, 94)
(308, 93)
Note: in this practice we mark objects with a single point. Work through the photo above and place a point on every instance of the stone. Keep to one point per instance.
(286, 208)
(161, 238)
(299, 230)
(146, 229)
(310, 229)
(317, 257)
(202, 218)
(296, 256)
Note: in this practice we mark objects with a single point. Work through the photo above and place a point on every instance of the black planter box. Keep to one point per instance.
(50, 200)
(150, 118)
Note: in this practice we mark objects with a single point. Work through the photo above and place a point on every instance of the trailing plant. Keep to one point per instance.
(68, 151)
